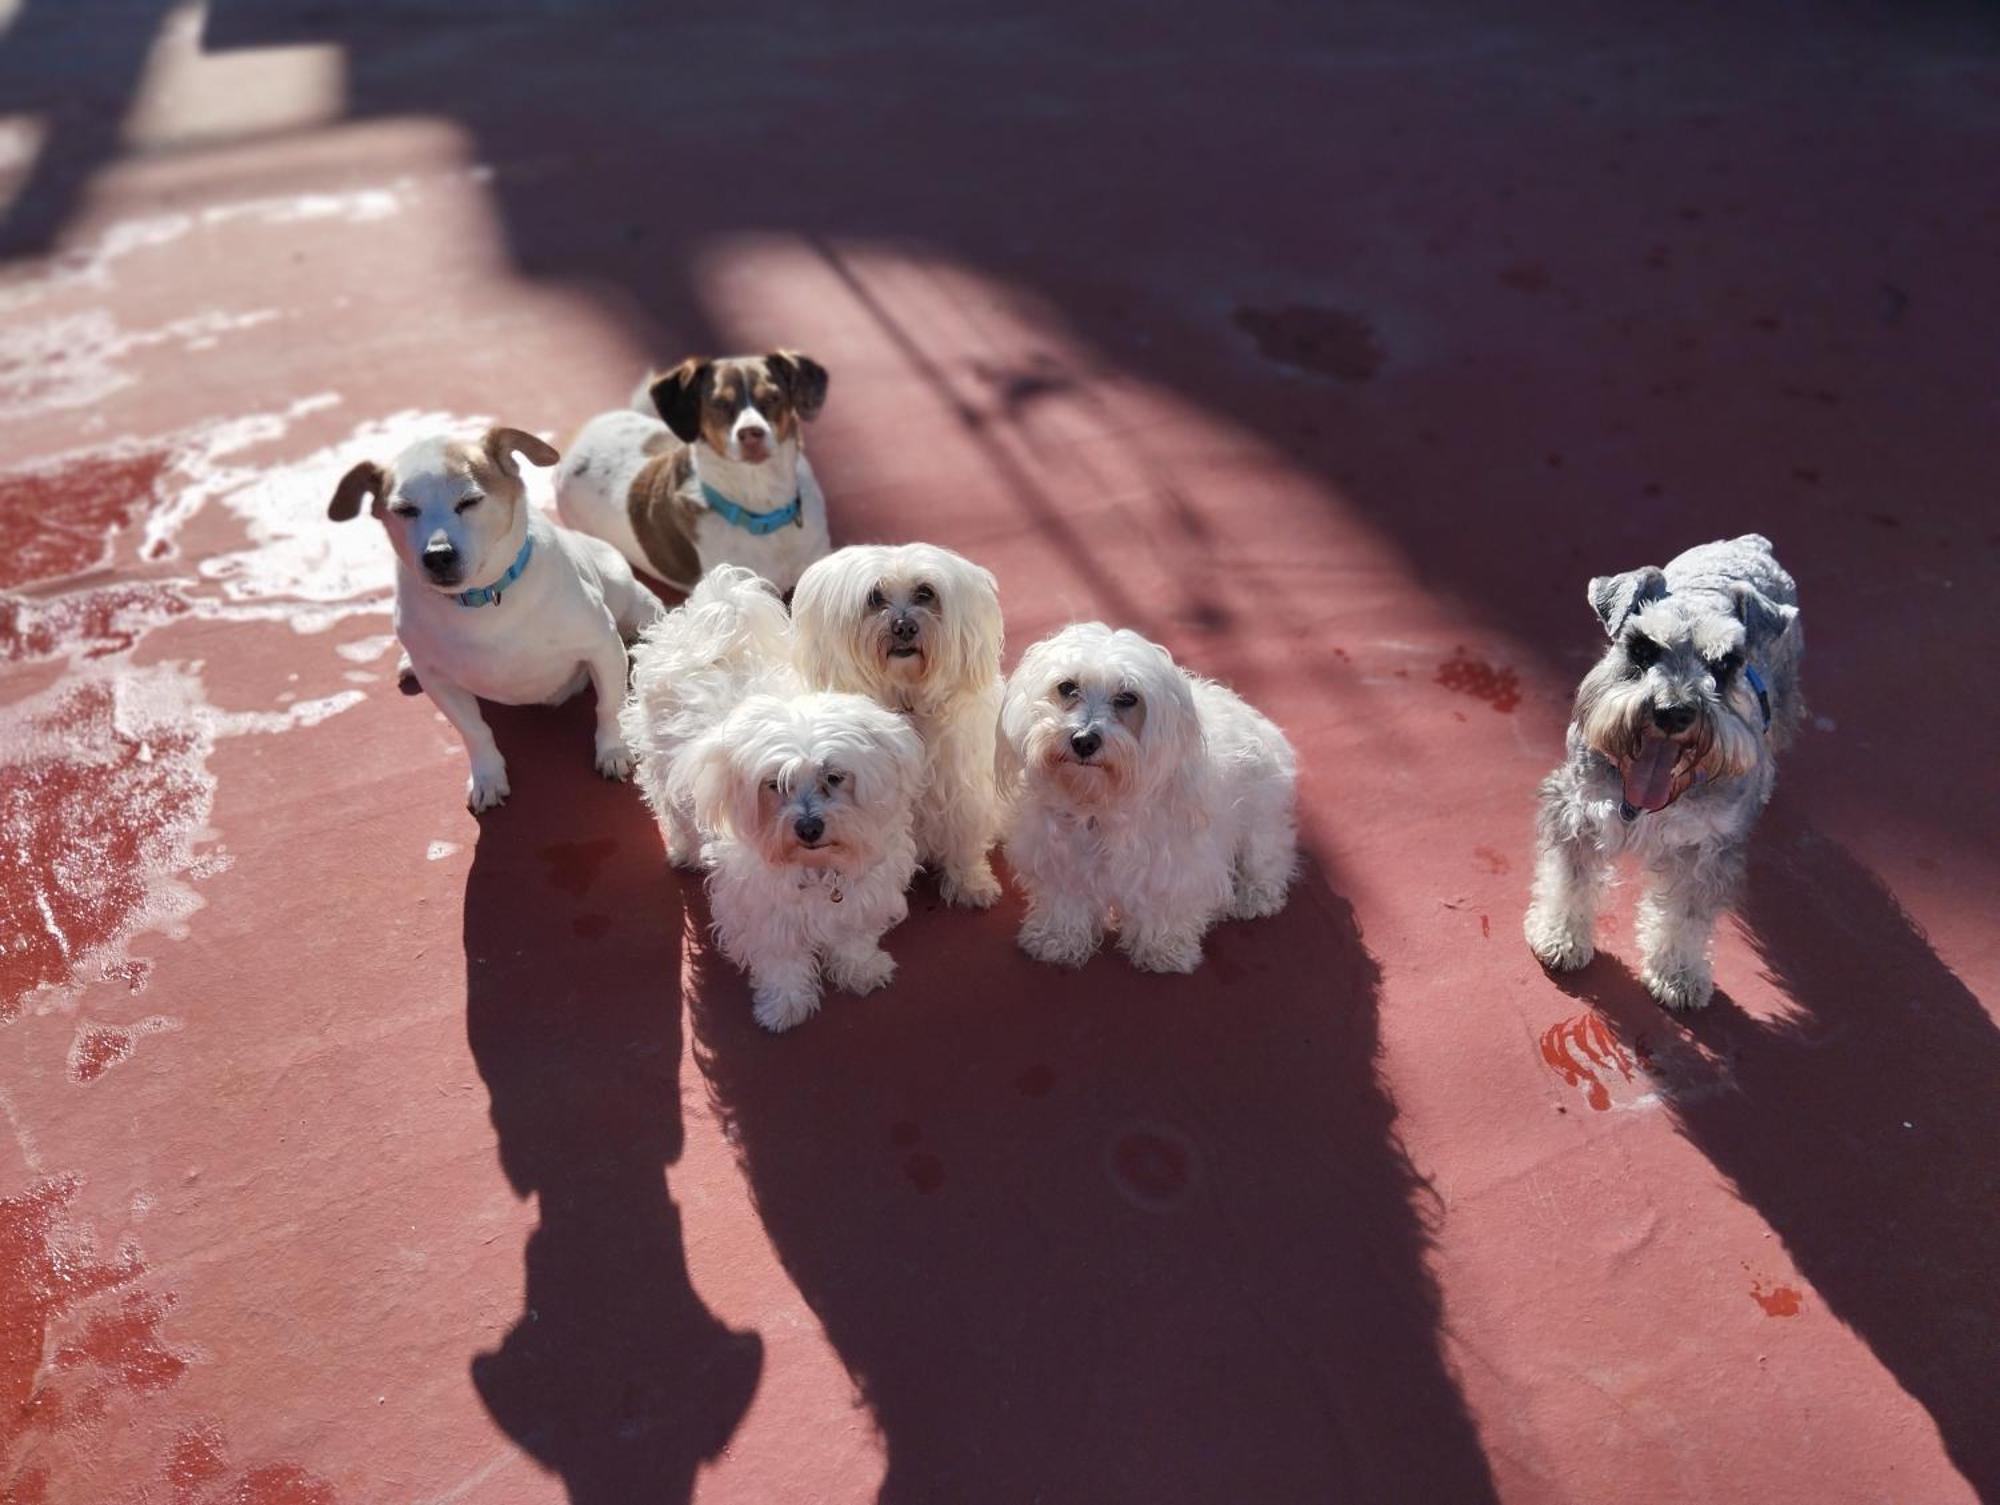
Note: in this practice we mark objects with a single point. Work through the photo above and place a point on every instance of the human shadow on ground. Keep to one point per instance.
(615, 1375)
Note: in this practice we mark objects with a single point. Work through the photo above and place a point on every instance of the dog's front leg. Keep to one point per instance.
(1687, 889)
(1169, 941)
(962, 839)
(607, 668)
(1569, 884)
(784, 988)
(1059, 929)
(487, 786)
(859, 965)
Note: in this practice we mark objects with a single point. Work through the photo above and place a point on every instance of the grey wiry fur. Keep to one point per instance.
(1670, 693)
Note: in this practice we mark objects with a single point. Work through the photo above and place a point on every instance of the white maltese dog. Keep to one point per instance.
(801, 806)
(1142, 798)
(917, 629)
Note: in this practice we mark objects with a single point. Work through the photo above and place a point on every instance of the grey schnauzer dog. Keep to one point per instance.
(1673, 749)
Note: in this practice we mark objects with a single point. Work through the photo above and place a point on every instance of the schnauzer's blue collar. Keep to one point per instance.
(756, 523)
(1763, 696)
(489, 595)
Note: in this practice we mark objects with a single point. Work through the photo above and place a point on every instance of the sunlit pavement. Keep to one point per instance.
(355, 1149)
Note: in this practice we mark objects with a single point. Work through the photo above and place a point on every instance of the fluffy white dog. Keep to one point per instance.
(801, 806)
(917, 629)
(1142, 798)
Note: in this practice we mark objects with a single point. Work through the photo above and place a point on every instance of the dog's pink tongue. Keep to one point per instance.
(1649, 778)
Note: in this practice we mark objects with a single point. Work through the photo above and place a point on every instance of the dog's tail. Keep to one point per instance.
(732, 638)
(739, 613)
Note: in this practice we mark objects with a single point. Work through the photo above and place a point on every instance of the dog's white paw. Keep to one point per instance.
(1060, 943)
(1173, 951)
(487, 788)
(779, 1008)
(1679, 987)
(977, 889)
(861, 974)
(1254, 901)
(614, 760)
(1560, 947)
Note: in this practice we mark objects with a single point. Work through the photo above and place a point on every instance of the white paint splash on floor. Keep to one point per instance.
(367, 650)
(315, 571)
(105, 797)
(74, 361)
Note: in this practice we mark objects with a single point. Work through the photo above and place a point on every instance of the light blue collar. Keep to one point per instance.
(755, 523)
(489, 595)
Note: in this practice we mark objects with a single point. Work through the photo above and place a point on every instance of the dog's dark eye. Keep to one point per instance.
(1067, 689)
(1725, 666)
(1124, 700)
(402, 509)
(1642, 651)
(835, 780)
(923, 595)
(468, 501)
(772, 785)
(876, 600)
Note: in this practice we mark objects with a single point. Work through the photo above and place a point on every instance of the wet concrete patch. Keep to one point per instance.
(57, 520)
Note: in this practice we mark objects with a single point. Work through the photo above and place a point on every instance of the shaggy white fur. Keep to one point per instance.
(800, 805)
(1142, 799)
(917, 629)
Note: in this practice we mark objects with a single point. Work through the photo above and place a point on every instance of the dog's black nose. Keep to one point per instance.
(440, 557)
(903, 629)
(1673, 719)
(810, 828)
(1083, 744)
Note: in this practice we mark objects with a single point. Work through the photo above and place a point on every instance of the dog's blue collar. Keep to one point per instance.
(1763, 695)
(756, 523)
(489, 595)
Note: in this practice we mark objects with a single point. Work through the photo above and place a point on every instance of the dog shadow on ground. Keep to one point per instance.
(1864, 1126)
(1097, 1235)
(615, 1375)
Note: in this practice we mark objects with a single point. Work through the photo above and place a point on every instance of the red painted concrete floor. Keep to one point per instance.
(358, 1150)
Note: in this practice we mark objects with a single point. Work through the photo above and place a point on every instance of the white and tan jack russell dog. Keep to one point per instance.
(493, 600)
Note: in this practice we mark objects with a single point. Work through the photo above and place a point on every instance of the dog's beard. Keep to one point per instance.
(781, 847)
(1655, 767)
(843, 846)
(905, 663)
(1106, 780)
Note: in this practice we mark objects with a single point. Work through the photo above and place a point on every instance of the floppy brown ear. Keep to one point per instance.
(501, 445)
(677, 397)
(367, 482)
(803, 378)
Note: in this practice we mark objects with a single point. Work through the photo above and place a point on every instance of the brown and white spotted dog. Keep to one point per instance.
(706, 467)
